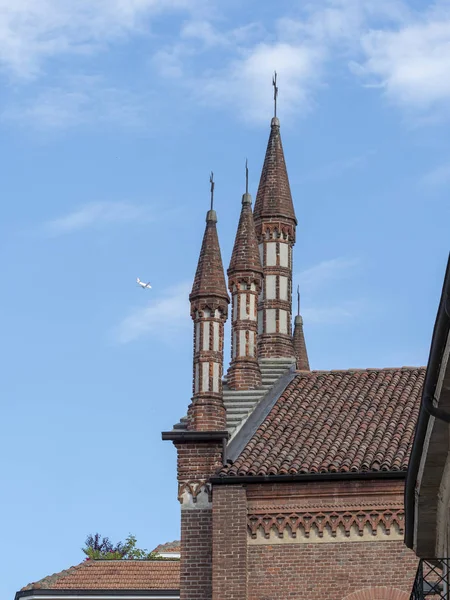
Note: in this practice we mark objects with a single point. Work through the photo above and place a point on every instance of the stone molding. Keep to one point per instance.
(195, 493)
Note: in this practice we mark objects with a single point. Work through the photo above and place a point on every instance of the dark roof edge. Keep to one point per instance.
(236, 479)
(195, 436)
(438, 341)
(105, 592)
(262, 409)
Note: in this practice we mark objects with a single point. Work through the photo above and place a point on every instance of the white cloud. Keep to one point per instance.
(95, 214)
(244, 85)
(326, 272)
(163, 317)
(298, 47)
(411, 63)
(33, 31)
(438, 176)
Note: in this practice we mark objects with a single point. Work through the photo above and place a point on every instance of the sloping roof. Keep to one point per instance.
(337, 421)
(169, 547)
(114, 575)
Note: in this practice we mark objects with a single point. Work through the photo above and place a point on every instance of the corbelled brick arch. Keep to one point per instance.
(378, 593)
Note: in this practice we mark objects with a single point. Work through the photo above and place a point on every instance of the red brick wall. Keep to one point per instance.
(327, 571)
(196, 463)
(196, 555)
(229, 543)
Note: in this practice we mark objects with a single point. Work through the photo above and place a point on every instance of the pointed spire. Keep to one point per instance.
(301, 353)
(210, 277)
(245, 255)
(274, 193)
(245, 276)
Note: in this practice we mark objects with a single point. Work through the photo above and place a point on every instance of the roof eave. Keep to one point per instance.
(439, 340)
(103, 593)
(305, 477)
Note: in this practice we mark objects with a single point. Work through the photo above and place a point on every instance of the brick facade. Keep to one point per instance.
(331, 571)
(285, 565)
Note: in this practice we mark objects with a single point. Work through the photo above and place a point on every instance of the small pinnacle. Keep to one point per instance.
(211, 216)
(298, 300)
(246, 198)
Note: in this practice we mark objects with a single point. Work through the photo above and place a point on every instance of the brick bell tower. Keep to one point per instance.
(201, 438)
(245, 275)
(275, 224)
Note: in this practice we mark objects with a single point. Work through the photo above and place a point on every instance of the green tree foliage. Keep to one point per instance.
(101, 548)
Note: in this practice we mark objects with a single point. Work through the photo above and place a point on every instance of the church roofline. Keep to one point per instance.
(172, 594)
(233, 479)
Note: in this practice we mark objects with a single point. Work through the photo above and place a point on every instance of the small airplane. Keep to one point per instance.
(144, 286)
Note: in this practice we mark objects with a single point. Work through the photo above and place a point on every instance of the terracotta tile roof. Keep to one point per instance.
(114, 575)
(337, 421)
(169, 547)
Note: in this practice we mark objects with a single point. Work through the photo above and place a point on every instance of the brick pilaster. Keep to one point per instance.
(229, 543)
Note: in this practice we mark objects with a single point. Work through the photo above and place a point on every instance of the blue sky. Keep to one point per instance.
(112, 114)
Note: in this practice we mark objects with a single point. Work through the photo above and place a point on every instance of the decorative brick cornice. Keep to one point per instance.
(349, 523)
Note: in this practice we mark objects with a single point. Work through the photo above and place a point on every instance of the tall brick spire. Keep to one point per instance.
(209, 309)
(244, 282)
(301, 354)
(275, 224)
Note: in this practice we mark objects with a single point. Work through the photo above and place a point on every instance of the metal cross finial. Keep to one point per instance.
(298, 300)
(246, 176)
(275, 93)
(211, 181)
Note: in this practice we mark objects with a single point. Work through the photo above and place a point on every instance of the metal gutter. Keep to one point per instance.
(195, 436)
(246, 479)
(439, 339)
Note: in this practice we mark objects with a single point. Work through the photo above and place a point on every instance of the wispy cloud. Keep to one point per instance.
(34, 32)
(326, 272)
(78, 101)
(162, 317)
(95, 214)
(438, 176)
(411, 62)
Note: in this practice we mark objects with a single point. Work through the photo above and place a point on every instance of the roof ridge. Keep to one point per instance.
(52, 579)
(305, 373)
